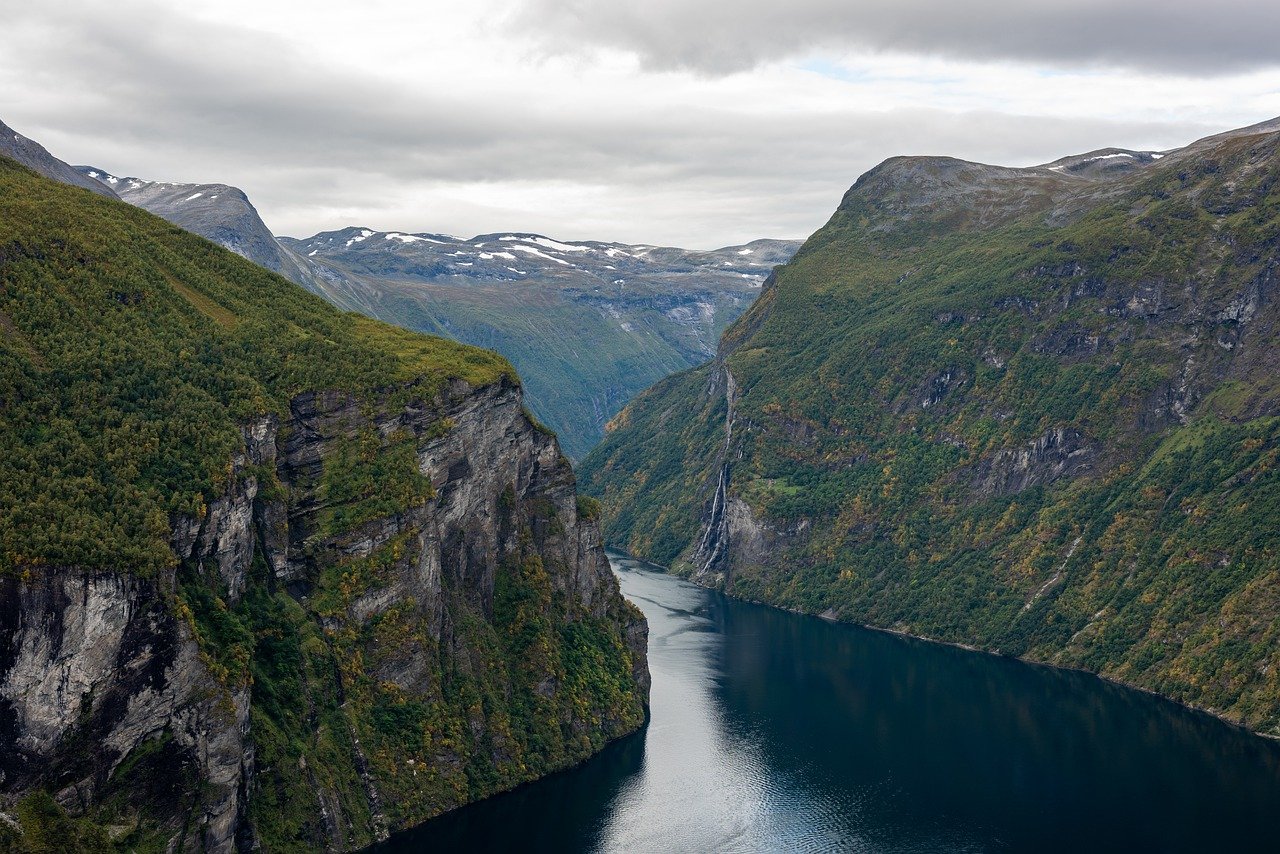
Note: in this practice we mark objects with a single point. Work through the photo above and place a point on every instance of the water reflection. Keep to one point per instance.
(773, 732)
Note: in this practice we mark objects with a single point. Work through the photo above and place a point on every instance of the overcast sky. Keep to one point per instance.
(695, 123)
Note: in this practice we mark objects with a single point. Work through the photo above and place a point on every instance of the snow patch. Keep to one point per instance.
(193, 196)
(540, 254)
(414, 238)
(555, 244)
(363, 235)
(745, 251)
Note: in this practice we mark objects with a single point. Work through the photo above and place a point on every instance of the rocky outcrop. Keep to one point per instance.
(1058, 453)
(98, 668)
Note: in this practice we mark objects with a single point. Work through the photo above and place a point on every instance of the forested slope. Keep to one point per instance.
(271, 574)
(1032, 410)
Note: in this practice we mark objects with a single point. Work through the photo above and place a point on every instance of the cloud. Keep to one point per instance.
(726, 36)
(414, 119)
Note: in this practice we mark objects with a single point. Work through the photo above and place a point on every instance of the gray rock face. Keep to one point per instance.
(98, 668)
(33, 155)
(1059, 453)
(94, 667)
(462, 534)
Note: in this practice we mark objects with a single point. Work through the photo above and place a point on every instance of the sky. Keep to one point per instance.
(694, 123)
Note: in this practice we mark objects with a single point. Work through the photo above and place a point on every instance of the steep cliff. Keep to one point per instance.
(270, 575)
(1032, 410)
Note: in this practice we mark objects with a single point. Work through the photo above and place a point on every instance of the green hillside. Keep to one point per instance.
(297, 622)
(1031, 410)
(131, 351)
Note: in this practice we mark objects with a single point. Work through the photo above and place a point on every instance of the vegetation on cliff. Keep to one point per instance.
(131, 349)
(134, 357)
(1033, 410)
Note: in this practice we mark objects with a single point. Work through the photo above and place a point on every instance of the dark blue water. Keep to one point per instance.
(775, 732)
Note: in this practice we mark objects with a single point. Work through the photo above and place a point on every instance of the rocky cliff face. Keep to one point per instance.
(161, 697)
(96, 671)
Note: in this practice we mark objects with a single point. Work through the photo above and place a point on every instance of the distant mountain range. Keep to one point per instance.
(588, 324)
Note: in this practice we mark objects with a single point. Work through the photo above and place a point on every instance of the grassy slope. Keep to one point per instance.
(1095, 313)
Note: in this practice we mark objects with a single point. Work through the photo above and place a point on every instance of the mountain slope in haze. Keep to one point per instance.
(1031, 410)
(272, 575)
(33, 155)
(587, 324)
(217, 212)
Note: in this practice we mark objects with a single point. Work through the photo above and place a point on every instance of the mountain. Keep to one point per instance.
(33, 155)
(272, 575)
(1034, 411)
(587, 324)
(216, 212)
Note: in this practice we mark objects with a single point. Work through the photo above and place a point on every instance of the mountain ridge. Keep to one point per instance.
(36, 157)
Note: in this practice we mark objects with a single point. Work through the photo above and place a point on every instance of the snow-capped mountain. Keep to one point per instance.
(587, 323)
(35, 157)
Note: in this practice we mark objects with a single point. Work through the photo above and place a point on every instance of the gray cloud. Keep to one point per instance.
(140, 89)
(724, 36)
